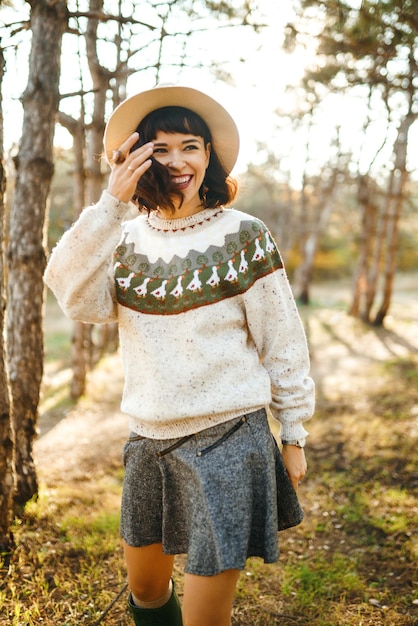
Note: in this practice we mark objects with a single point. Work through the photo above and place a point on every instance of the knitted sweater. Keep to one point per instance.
(208, 326)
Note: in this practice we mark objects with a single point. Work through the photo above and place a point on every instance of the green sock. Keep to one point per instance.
(167, 615)
(155, 604)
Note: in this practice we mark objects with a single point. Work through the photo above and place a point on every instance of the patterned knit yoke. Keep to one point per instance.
(201, 278)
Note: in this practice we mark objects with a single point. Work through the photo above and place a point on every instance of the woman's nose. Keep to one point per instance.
(176, 162)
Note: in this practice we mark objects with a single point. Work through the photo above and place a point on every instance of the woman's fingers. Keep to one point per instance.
(127, 168)
(120, 154)
(123, 155)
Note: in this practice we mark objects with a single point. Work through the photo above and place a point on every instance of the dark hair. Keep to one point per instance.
(154, 188)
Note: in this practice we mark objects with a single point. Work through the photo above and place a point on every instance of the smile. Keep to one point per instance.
(181, 180)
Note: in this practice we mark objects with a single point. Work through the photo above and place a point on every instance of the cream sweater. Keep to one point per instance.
(208, 325)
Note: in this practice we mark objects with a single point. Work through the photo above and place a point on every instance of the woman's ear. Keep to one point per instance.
(207, 150)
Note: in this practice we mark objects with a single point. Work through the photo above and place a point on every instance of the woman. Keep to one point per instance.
(209, 337)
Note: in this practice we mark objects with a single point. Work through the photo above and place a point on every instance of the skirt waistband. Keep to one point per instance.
(237, 423)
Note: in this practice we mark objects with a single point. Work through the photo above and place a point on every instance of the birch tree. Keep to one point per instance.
(7, 474)
(26, 253)
(372, 49)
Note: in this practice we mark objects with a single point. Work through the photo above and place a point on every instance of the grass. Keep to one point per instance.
(68, 564)
(353, 561)
(323, 578)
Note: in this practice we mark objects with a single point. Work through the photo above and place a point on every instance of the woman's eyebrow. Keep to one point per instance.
(186, 141)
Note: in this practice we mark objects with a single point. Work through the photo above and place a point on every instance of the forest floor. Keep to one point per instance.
(353, 560)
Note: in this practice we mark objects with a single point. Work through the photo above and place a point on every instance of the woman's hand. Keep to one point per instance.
(295, 463)
(127, 168)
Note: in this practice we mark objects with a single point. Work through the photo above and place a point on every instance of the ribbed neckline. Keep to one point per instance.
(182, 223)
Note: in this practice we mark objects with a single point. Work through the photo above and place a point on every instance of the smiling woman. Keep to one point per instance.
(209, 337)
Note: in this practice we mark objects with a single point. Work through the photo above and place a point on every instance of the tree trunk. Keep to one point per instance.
(80, 352)
(81, 333)
(101, 79)
(367, 237)
(320, 204)
(304, 272)
(380, 234)
(83, 349)
(7, 475)
(377, 246)
(26, 255)
(397, 186)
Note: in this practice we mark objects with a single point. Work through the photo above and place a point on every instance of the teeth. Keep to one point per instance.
(179, 180)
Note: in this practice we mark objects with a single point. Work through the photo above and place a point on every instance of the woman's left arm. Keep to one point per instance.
(279, 336)
(278, 333)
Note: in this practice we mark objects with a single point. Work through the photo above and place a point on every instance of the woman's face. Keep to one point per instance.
(186, 158)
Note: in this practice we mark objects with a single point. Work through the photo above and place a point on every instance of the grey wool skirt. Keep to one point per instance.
(212, 496)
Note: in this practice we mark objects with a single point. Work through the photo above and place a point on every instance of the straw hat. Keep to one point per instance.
(126, 117)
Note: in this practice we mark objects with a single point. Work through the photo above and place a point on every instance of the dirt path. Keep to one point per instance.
(90, 436)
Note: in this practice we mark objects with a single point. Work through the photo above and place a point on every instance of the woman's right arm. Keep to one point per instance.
(80, 269)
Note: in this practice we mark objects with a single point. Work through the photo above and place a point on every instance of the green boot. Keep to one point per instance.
(167, 615)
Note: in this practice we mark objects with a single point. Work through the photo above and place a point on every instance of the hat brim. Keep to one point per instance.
(126, 117)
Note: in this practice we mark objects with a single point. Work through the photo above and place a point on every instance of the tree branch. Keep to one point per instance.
(105, 17)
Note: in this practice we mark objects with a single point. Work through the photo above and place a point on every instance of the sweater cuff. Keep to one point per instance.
(290, 432)
(117, 209)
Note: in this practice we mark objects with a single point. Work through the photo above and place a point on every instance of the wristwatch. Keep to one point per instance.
(299, 443)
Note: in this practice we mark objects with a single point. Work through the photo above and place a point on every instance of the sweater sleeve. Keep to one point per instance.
(80, 269)
(278, 334)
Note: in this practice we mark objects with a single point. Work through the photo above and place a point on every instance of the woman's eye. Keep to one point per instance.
(159, 151)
